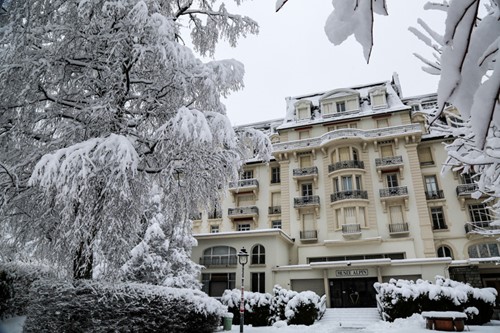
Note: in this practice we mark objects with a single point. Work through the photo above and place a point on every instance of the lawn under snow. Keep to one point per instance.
(414, 324)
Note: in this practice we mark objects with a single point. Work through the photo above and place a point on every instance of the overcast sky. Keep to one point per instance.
(292, 56)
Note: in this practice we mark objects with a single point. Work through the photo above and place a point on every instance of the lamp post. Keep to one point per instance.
(243, 259)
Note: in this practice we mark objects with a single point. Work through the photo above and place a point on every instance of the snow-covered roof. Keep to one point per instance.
(237, 234)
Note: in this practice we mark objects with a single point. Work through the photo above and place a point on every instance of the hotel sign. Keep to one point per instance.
(351, 272)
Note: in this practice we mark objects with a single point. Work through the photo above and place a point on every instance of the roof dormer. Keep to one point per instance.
(303, 110)
(378, 98)
(338, 101)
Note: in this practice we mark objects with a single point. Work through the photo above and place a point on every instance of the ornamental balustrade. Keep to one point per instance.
(252, 210)
(222, 260)
(353, 164)
(431, 195)
(343, 133)
(353, 194)
(397, 228)
(274, 210)
(244, 183)
(479, 227)
(309, 234)
(354, 228)
(305, 171)
(393, 191)
(311, 200)
(467, 188)
(388, 161)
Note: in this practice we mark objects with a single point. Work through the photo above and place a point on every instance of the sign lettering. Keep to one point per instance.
(351, 272)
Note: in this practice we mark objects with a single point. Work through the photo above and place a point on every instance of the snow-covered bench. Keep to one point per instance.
(444, 320)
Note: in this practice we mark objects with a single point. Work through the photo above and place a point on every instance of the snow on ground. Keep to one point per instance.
(414, 324)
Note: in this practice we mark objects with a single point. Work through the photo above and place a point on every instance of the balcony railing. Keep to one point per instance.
(247, 211)
(343, 195)
(309, 235)
(223, 260)
(398, 228)
(388, 161)
(310, 171)
(478, 227)
(431, 195)
(311, 200)
(244, 183)
(393, 191)
(346, 165)
(350, 229)
(464, 189)
(274, 210)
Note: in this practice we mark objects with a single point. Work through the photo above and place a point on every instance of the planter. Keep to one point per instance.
(459, 325)
(444, 324)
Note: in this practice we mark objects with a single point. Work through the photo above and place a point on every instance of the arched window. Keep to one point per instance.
(444, 251)
(258, 255)
(219, 255)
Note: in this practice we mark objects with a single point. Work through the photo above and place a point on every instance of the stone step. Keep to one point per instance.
(355, 318)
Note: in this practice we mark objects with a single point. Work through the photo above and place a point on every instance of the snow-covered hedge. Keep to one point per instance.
(284, 305)
(402, 298)
(91, 306)
(15, 282)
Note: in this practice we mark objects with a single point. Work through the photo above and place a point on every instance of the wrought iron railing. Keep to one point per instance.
(305, 171)
(252, 210)
(393, 191)
(353, 164)
(351, 228)
(478, 227)
(431, 195)
(311, 200)
(274, 210)
(466, 188)
(396, 228)
(309, 234)
(343, 195)
(244, 183)
(223, 260)
(388, 161)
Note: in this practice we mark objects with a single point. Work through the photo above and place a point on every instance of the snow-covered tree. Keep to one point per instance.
(101, 102)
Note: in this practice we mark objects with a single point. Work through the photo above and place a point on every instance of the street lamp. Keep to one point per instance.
(243, 259)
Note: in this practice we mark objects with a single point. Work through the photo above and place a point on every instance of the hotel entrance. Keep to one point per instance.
(352, 293)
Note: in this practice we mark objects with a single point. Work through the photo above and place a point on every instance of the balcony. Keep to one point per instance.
(244, 185)
(466, 189)
(398, 229)
(388, 164)
(483, 228)
(309, 235)
(433, 195)
(353, 164)
(304, 174)
(396, 193)
(219, 261)
(274, 210)
(308, 201)
(351, 231)
(345, 195)
(243, 212)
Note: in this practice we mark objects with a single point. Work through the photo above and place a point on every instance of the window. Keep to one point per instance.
(392, 180)
(327, 108)
(386, 151)
(304, 135)
(307, 189)
(258, 255)
(431, 185)
(258, 282)
(276, 224)
(275, 175)
(378, 100)
(484, 250)
(415, 107)
(214, 229)
(345, 154)
(382, 123)
(444, 251)
(246, 200)
(340, 106)
(308, 222)
(303, 113)
(425, 156)
(243, 226)
(305, 161)
(347, 183)
(468, 178)
(247, 174)
(219, 255)
(215, 284)
(396, 213)
(350, 215)
(437, 215)
(479, 213)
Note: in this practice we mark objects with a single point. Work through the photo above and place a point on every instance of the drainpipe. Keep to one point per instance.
(327, 288)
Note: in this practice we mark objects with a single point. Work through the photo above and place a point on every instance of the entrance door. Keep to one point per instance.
(352, 293)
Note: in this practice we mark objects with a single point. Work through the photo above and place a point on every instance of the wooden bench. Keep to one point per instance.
(444, 320)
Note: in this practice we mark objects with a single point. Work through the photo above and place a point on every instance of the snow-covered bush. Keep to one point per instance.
(92, 306)
(257, 306)
(16, 279)
(402, 298)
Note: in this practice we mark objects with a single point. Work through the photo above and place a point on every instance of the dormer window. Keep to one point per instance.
(339, 101)
(303, 110)
(378, 98)
(340, 106)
